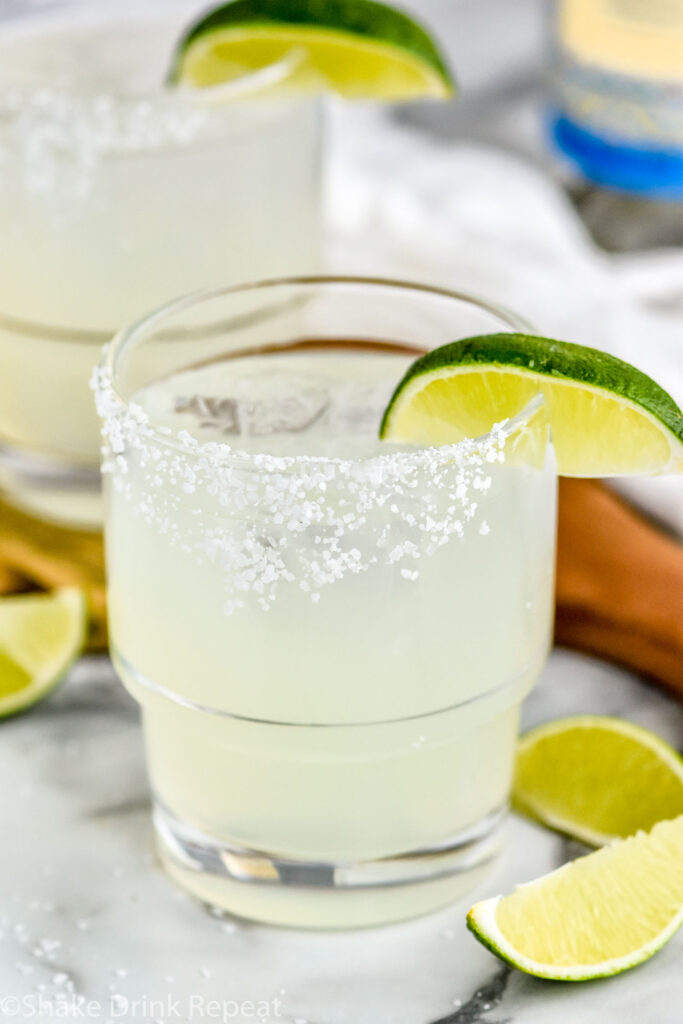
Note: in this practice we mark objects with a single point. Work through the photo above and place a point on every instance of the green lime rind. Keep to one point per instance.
(366, 19)
(593, 917)
(536, 806)
(553, 973)
(559, 359)
(46, 680)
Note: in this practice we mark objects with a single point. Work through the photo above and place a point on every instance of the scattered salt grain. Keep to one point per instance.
(46, 949)
(119, 1003)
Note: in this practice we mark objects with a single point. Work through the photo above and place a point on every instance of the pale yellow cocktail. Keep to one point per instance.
(329, 636)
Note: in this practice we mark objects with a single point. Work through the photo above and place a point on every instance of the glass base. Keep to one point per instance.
(312, 894)
(54, 490)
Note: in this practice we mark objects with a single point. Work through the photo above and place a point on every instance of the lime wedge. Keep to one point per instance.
(597, 778)
(599, 915)
(40, 636)
(606, 417)
(356, 48)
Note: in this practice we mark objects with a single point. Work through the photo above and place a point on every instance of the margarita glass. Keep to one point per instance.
(329, 636)
(116, 192)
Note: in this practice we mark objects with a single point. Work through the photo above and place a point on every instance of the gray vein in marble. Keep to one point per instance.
(487, 997)
(135, 805)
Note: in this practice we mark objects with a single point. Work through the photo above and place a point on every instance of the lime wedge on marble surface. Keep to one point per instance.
(40, 636)
(597, 778)
(597, 916)
(606, 417)
(356, 48)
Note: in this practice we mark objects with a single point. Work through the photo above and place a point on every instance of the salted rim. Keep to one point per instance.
(244, 87)
(221, 453)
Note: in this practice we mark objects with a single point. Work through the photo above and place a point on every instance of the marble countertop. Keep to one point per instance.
(89, 922)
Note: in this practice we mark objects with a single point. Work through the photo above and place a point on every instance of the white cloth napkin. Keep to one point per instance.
(481, 220)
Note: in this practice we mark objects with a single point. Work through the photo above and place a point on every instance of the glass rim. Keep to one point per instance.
(104, 378)
(106, 121)
(246, 86)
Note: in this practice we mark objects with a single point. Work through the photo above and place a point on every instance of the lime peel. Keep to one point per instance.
(597, 778)
(607, 417)
(40, 637)
(358, 47)
(594, 917)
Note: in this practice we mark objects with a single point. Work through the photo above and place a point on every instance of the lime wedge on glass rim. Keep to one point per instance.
(606, 417)
(597, 778)
(357, 48)
(40, 636)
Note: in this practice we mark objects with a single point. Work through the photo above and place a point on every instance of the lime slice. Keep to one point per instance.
(607, 418)
(599, 915)
(597, 778)
(40, 635)
(357, 48)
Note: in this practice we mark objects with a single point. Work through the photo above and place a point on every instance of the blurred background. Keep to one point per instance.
(553, 183)
(499, 52)
(511, 61)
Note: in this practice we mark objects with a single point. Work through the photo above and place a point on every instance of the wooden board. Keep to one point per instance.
(36, 555)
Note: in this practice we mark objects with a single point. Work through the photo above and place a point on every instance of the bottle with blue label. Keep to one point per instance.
(616, 112)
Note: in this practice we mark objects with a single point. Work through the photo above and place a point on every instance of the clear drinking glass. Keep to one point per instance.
(116, 192)
(329, 636)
